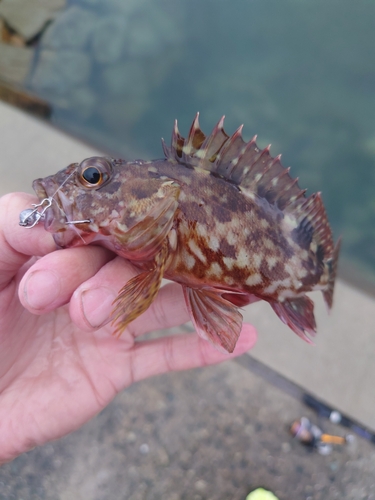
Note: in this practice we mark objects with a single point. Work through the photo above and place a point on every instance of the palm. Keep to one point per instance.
(55, 365)
(56, 369)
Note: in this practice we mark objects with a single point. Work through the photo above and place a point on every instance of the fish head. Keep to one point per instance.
(76, 194)
(107, 202)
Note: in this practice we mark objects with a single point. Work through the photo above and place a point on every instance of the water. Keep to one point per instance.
(299, 74)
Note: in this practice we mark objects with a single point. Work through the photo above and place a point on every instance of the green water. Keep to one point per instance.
(299, 73)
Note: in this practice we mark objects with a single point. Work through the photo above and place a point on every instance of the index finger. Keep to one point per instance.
(18, 244)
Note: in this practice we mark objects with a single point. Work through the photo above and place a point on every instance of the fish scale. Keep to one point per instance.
(217, 214)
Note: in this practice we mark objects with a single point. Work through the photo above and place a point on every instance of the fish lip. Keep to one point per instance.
(40, 189)
(56, 216)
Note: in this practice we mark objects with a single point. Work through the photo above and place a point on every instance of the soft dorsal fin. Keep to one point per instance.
(235, 160)
(312, 222)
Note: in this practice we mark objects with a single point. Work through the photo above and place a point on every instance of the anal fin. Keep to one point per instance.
(298, 314)
(138, 294)
(215, 318)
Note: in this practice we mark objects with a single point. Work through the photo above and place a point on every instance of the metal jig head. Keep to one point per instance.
(31, 216)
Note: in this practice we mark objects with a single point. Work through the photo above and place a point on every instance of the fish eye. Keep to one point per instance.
(92, 175)
(94, 172)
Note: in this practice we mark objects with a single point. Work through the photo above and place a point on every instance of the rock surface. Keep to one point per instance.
(15, 63)
(28, 17)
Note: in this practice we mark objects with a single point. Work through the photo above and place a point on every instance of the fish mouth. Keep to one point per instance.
(58, 215)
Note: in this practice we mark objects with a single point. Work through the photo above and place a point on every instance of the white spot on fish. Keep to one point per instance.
(289, 269)
(249, 215)
(254, 279)
(213, 243)
(271, 261)
(231, 238)
(297, 284)
(302, 273)
(197, 251)
(271, 289)
(208, 209)
(215, 270)
(286, 294)
(229, 262)
(182, 196)
(98, 210)
(221, 228)
(202, 171)
(289, 223)
(188, 260)
(257, 259)
(186, 180)
(229, 280)
(268, 244)
(236, 223)
(172, 238)
(243, 258)
(201, 230)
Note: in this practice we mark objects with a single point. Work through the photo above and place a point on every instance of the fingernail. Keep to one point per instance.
(97, 305)
(42, 288)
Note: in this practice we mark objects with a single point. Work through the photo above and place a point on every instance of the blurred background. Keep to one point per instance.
(300, 74)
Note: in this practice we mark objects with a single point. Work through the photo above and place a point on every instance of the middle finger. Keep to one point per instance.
(92, 303)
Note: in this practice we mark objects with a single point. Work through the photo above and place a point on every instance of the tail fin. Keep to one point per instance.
(332, 266)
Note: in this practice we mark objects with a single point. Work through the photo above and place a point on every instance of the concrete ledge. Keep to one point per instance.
(31, 148)
(339, 369)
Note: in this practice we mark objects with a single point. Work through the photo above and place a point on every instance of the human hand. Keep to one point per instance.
(59, 362)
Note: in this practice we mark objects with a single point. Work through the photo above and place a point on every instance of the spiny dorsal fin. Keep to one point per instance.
(235, 160)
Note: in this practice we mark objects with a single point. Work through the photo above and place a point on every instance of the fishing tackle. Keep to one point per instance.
(31, 216)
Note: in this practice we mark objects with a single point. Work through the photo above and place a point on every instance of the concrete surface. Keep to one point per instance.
(208, 434)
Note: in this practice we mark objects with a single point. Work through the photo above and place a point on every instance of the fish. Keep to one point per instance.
(218, 215)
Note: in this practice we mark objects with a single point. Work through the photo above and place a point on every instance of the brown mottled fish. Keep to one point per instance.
(217, 215)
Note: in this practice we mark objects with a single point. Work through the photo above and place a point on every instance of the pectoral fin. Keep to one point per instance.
(145, 239)
(215, 318)
(138, 294)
